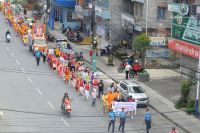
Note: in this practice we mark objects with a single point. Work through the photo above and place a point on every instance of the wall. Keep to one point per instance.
(116, 7)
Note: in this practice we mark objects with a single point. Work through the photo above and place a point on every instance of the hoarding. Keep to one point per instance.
(184, 47)
(186, 28)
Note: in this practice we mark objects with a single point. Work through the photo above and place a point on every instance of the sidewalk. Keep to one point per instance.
(158, 102)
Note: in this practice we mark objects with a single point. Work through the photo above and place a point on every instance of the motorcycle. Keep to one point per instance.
(66, 107)
(8, 37)
(105, 51)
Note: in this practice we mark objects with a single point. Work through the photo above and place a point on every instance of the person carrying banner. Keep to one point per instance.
(122, 116)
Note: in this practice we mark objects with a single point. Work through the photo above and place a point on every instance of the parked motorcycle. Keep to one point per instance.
(50, 37)
(105, 51)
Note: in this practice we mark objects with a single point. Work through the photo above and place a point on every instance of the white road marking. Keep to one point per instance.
(7, 49)
(38, 90)
(23, 70)
(64, 121)
(17, 62)
(12, 55)
(29, 79)
(50, 104)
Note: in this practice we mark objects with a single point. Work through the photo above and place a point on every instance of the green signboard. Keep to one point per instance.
(186, 28)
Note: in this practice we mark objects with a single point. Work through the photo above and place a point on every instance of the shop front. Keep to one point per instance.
(189, 54)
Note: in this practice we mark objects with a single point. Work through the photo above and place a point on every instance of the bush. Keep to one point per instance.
(181, 103)
(190, 108)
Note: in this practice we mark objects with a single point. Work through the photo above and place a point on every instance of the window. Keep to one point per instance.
(162, 13)
(135, 89)
(123, 86)
(138, 8)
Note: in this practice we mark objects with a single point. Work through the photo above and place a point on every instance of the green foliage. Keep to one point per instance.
(186, 102)
(190, 108)
(185, 89)
(141, 42)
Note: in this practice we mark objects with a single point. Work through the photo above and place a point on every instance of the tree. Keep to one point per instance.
(141, 43)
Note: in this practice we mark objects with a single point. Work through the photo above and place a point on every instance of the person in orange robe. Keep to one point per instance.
(67, 75)
(110, 99)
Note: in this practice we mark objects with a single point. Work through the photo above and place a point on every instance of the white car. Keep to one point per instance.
(131, 88)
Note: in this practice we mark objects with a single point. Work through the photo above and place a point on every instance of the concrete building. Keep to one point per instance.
(129, 16)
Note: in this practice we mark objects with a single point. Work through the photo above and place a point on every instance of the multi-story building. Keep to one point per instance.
(135, 16)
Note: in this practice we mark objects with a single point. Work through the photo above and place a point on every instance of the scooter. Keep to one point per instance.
(105, 51)
(66, 108)
(8, 37)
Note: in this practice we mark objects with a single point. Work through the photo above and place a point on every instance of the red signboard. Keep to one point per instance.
(184, 47)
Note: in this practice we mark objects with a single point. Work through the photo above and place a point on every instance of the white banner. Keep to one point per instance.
(51, 51)
(129, 107)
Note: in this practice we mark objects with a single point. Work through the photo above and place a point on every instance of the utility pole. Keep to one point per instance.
(147, 10)
(94, 40)
(197, 93)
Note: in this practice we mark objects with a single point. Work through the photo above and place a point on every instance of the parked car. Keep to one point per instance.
(131, 88)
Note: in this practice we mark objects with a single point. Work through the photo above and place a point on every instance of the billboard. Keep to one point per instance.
(186, 28)
(184, 47)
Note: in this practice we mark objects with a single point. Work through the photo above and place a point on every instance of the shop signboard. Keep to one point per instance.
(157, 41)
(184, 47)
(186, 28)
(128, 107)
(182, 9)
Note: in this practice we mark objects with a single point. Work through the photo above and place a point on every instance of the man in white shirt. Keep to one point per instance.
(127, 69)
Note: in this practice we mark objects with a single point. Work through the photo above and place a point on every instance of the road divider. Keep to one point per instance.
(29, 79)
(23, 70)
(65, 122)
(12, 55)
(17, 62)
(51, 105)
(38, 90)
(7, 49)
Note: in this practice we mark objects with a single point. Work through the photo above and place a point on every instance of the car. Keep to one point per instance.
(131, 88)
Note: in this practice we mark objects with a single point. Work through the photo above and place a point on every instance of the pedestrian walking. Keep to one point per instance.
(173, 130)
(37, 55)
(104, 99)
(87, 90)
(122, 116)
(101, 88)
(127, 69)
(94, 96)
(112, 117)
(147, 120)
(44, 56)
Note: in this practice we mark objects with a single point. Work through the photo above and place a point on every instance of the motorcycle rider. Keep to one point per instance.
(63, 99)
(7, 33)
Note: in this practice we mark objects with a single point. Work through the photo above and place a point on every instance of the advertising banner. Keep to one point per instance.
(128, 107)
(186, 28)
(184, 47)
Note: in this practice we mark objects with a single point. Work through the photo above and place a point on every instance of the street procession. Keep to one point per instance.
(66, 66)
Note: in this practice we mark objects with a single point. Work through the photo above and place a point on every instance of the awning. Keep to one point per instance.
(65, 3)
